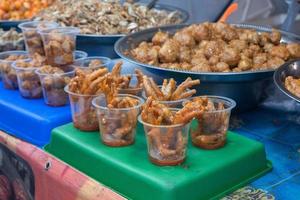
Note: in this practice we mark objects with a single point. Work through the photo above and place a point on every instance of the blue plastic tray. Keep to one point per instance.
(30, 120)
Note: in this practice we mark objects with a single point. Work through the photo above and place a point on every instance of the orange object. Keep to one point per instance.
(231, 9)
(21, 9)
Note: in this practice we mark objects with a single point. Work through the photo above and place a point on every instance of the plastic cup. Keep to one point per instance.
(209, 131)
(8, 73)
(79, 55)
(117, 125)
(170, 104)
(83, 112)
(53, 86)
(167, 144)
(28, 81)
(132, 89)
(84, 63)
(32, 38)
(59, 44)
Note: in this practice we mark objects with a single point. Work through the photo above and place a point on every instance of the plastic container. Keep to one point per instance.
(33, 40)
(59, 44)
(8, 73)
(53, 86)
(117, 125)
(79, 55)
(167, 144)
(90, 64)
(209, 131)
(83, 112)
(171, 104)
(28, 81)
(132, 89)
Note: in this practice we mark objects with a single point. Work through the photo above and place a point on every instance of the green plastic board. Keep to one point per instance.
(205, 174)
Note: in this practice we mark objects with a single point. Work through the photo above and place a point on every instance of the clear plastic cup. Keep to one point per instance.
(209, 130)
(132, 89)
(170, 104)
(28, 81)
(32, 38)
(83, 112)
(79, 55)
(167, 144)
(9, 76)
(90, 63)
(59, 44)
(117, 125)
(53, 86)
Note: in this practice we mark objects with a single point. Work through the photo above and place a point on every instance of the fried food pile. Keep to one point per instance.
(11, 40)
(212, 125)
(169, 91)
(118, 121)
(107, 17)
(167, 132)
(216, 47)
(292, 84)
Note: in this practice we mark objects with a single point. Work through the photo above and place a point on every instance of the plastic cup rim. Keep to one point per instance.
(68, 30)
(66, 89)
(36, 23)
(162, 126)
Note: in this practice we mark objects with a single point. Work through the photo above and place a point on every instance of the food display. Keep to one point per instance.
(9, 76)
(215, 47)
(82, 89)
(167, 131)
(117, 114)
(212, 125)
(169, 93)
(33, 40)
(59, 45)
(21, 9)
(292, 84)
(53, 81)
(28, 81)
(107, 17)
(11, 40)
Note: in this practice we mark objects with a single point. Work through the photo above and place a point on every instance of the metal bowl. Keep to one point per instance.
(246, 88)
(291, 68)
(103, 45)
(8, 24)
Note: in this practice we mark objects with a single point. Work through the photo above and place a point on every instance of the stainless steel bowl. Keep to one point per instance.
(246, 88)
(103, 45)
(291, 68)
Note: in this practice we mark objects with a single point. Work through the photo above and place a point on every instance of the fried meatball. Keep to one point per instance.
(259, 59)
(245, 64)
(226, 31)
(280, 51)
(201, 32)
(248, 35)
(184, 38)
(212, 48)
(294, 50)
(197, 60)
(214, 60)
(185, 54)
(275, 62)
(201, 68)
(169, 52)
(275, 36)
(238, 44)
(267, 47)
(220, 67)
(160, 37)
(264, 38)
(254, 48)
(146, 53)
(230, 56)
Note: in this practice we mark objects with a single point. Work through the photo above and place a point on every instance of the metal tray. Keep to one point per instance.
(291, 68)
(246, 88)
(103, 45)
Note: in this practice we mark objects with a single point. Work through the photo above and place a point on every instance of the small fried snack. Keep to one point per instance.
(292, 84)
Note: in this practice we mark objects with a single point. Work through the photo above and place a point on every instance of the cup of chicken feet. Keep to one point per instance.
(208, 130)
(8, 73)
(54, 80)
(28, 81)
(169, 93)
(82, 88)
(118, 118)
(166, 131)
